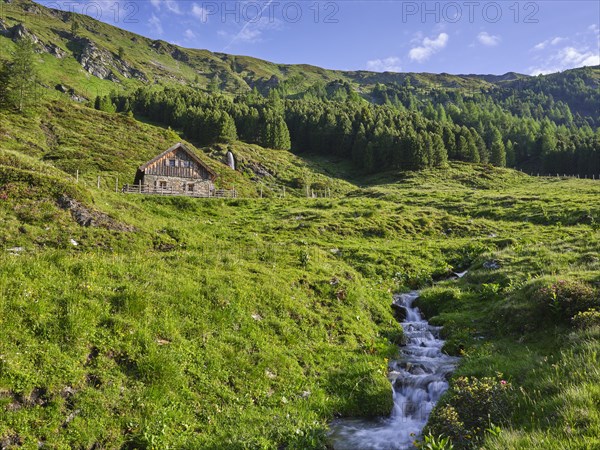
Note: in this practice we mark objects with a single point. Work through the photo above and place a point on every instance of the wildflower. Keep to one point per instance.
(503, 382)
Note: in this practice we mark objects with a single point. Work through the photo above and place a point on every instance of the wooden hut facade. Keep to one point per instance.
(176, 171)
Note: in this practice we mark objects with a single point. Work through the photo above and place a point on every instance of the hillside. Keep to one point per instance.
(175, 322)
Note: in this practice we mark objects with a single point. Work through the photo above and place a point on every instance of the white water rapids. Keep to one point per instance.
(418, 377)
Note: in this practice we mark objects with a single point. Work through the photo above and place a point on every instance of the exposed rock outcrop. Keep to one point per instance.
(164, 48)
(100, 62)
(71, 92)
(94, 60)
(90, 218)
(19, 32)
(56, 51)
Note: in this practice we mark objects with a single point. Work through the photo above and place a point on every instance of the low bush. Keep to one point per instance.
(565, 298)
(586, 319)
(468, 409)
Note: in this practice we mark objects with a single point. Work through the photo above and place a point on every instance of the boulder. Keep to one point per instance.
(4, 29)
(399, 312)
(19, 32)
(492, 264)
(56, 51)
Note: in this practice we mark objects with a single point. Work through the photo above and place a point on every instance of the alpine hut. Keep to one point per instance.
(176, 171)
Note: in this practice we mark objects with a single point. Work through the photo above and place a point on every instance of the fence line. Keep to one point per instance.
(106, 182)
(262, 190)
(564, 175)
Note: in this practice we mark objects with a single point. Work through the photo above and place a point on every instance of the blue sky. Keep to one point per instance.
(453, 37)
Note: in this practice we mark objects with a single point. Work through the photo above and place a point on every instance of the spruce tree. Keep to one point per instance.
(359, 145)
(275, 133)
(226, 127)
(497, 151)
(439, 154)
(510, 154)
(472, 152)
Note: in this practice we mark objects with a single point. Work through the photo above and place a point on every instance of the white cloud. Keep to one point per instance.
(249, 34)
(594, 28)
(428, 47)
(200, 12)
(487, 39)
(155, 23)
(252, 32)
(554, 41)
(567, 58)
(572, 56)
(391, 64)
(171, 5)
(189, 34)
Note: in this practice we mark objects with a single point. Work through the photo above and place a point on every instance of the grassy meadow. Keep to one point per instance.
(252, 322)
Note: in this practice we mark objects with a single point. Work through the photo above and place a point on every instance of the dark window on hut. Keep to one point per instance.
(190, 187)
(171, 163)
(186, 163)
(163, 184)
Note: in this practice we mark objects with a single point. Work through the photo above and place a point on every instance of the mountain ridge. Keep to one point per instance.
(124, 59)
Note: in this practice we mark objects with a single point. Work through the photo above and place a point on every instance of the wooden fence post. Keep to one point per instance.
(98, 182)
(77, 176)
(284, 192)
(117, 184)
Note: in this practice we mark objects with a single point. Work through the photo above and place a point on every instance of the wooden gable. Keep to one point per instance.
(178, 161)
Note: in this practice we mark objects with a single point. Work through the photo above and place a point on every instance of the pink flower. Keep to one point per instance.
(502, 382)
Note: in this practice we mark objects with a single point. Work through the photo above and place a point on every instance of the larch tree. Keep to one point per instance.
(18, 81)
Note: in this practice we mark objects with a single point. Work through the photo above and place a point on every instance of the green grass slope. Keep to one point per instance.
(251, 323)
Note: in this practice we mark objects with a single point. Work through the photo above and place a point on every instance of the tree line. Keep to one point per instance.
(403, 130)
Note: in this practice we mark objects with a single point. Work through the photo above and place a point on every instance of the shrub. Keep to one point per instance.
(431, 442)
(565, 298)
(586, 319)
(467, 410)
(490, 289)
(303, 258)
